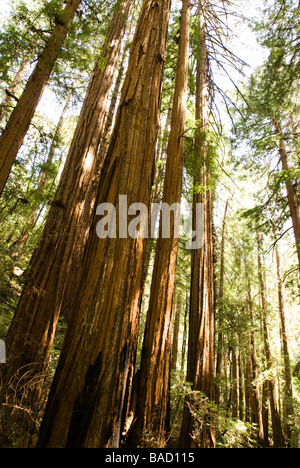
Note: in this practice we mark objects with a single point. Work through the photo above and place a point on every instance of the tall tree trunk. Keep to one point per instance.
(247, 380)
(202, 328)
(19, 122)
(22, 240)
(256, 410)
(234, 383)
(176, 335)
(241, 388)
(98, 354)
(11, 92)
(276, 421)
(291, 190)
(55, 266)
(288, 406)
(185, 333)
(153, 390)
(220, 307)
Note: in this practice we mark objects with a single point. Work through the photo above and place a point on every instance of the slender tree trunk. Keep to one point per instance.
(288, 406)
(185, 333)
(276, 421)
(241, 388)
(247, 380)
(176, 335)
(220, 306)
(256, 410)
(153, 388)
(55, 266)
(234, 384)
(111, 112)
(98, 354)
(291, 190)
(201, 337)
(12, 91)
(22, 240)
(19, 122)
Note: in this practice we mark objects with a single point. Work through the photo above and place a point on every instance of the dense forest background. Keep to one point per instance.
(142, 342)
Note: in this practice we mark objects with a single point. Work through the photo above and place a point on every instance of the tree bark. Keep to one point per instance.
(288, 406)
(291, 190)
(276, 421)
(234, 384)
(55, 266)
(220, 307)
(255, 404)
(19, 122)
(98, 354)
(153, 391)
(176, 335)
(111, 112)
(202, 328)
(12, 91)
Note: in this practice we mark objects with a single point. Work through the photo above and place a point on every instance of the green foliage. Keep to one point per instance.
(201, 154)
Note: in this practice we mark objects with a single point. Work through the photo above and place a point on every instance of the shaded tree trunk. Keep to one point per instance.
(153, 390)
(234, 384)
(19, 122)
(220, 306)
(255, 404)
(55, 266)
(288, 406)
(176, 335)
(291, 189)
(185, 333)
(98, 354)
(276, 421)
(241, 388)
(201, 336)
(111, 112)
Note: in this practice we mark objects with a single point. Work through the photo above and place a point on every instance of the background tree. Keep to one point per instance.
(153, 385)
(18, 124)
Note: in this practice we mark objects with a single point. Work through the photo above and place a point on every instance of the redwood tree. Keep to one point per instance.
(96, 364)
(201, 335)
(275, 415)
(153, 386)
(54, 268)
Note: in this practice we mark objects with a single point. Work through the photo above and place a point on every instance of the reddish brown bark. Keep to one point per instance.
(292, 195)
(202, 324)
(176, 335)
(98, 355)
(255, 404)
(153, 390)
(54, 268)
(288, 406)
(220, 307)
